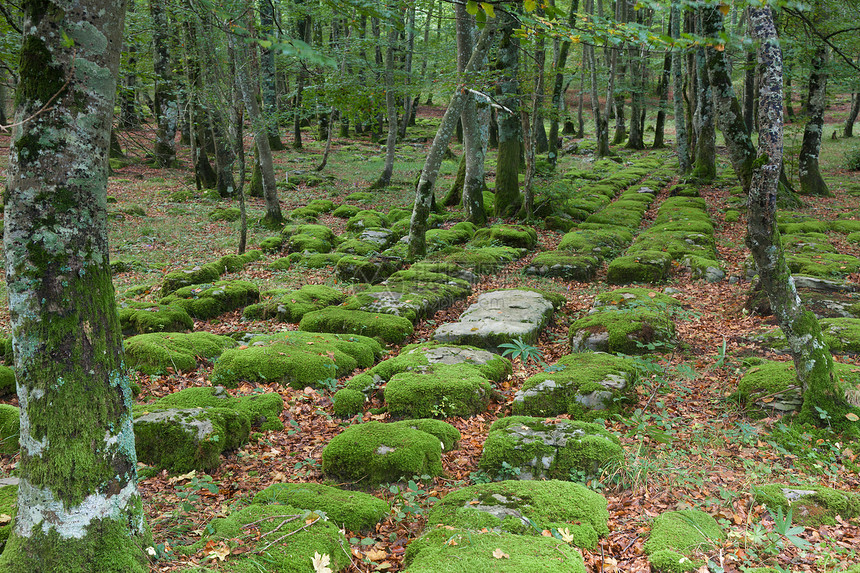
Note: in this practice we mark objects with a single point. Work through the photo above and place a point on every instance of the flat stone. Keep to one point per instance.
(823, 285)
(499, 317)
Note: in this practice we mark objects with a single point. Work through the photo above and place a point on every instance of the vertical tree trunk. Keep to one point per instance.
(812, 359)
(391, 110)
(705, 167)
(166, 108)
(237, 134)
(204, 175)
(749, 91)
(129, 117)
(78, 504)
(407, 69)
(268, 75)
(811, 182)
(660, 124)
(3, 98)
(580, 121)
(508, 197)
(852, 115)
(530, 119)
(789, 94)
(304, 32)
(557, 87)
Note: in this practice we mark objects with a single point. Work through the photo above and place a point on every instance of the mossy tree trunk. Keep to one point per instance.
(558, 87)
(268, 75)
(660, 123)
(390, 110)
(705, 165)
(166, 105)
(681, 137)
(508, 198)
(852, 115)
(424, 191)
(811, 182)
(812, 359)
(78, 504)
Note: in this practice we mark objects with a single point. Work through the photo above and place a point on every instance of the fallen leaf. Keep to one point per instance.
(499, 554)
(321, 563)
(219, 552)
(376, 555)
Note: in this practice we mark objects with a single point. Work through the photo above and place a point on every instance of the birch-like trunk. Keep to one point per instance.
(78, 504)
(166, 106)
(811, 181)
(268, 75)
(852, 115)
(705, 166)
(508, 198)
(391, 111)
(812, 359)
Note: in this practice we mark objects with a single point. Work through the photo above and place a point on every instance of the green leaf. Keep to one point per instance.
(488, 8)
(472, 7)
(529, 5)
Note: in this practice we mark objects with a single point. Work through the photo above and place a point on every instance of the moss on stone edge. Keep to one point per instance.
(206, 301)
(414, 357)
(10, 418)
(354, 510)
(348, 402)
(373, 453)
(155, 353)
(687, 531)
(441, 391)
(198, 275)
(517, 236)
(292, 305)
(7, 381)
(387, 327)
(445, 551)
(144, 318)
(819, 506)
(549, 448)
(628, 331)
(643, 267)
(297, 359)
(668, 561)
(546, 504)
(263, 410)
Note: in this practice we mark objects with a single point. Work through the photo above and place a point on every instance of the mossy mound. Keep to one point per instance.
(636, 297)
(842, 336)
(584, 385)
(7, 381)
(271, 244)
(184, 439)
(224, 214)
(374, 453)
(643, 267)
(387, 327)
(365, 220)
(8, 506)
(353, 268)
(320, 232)
(423, 357)
(348, 402)
(457, 234)
(262, 410)
(10, 420)
(346, 211)
(410, 299)
(550, 448)
(357, 247)
(628, 331)
(207, 273)
(811, 505)
(443, 550)
(206, 301)
(255, 527)
(448, 435)
(291, 305)
(481, 260)
(825, 265)
(564, 265)
(600, 243)
(441, 391)
(160, 352)
(517, 236)
(686, 532)
(308, 260)
(354, 510)
(144, 317)
(526, 507)
(296, 359)
(303, 214)
(306, 243)
(668, 561)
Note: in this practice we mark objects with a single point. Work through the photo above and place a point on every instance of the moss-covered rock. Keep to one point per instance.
(423, 357)
(306, 243)
(387, 327)
(643, 267)
(444, 550)
(291, 305)
(348, 402)
(184, 439)
(373, 453)
(668, 561)
(410, 299)
(262, 410)
(685, 532)
(842, 336)
(7, 381)
(297, 359)
(375, 269)
(321, 232)
(634, 330)
(271, 244)
(562, 264)
(448, 435)
(10, 420)
(346, 211)
(551, 448)
(8, 506)
(206, 301)
(354, 510)
(145, 317)
(482, 260)
(811, 505)
(207, 273)
(526, 507)
(364, 220)
(517, 236)
(308, 260)
(584, 385)
(358, 247)
(224, 214)
(441, 391)
(825, 265)
(161, 352)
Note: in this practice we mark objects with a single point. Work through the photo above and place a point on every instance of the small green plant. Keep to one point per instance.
(480, 477)
(329, 384)
(522, 350)
(413, 498)
(442, 408)
(189, 493)
(508, 471)
(823, 415)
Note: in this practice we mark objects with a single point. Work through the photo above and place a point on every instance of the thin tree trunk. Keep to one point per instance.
(852, 115)
(268, 75)
(304, 32)
(811, 181)
(391, 110)
(660, 124)
(557, 87)
(508, 197)
(166, 106)
(407, 69)
(530, 119)
(238, 137)
(705, 167)
(580, 120)
(129, 117)
(79, 508)
(750, 91)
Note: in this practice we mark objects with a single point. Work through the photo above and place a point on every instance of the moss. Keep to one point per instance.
(292, 305)
(636, 297)
(629, 331)
(321, 205)
(595, 242)
(7, 381)
(574, 387)
(452, 551)
(447, 434)
(687, 532)
(348, 402)
(804, 227)
(411, 300)
(311, 261)
(548, 448)
(297, 359)
(354, 510)
(10, 418)
(320, 232)
(224, 214)
(303, 214)
(271, 244)
(8, 506)
(643, 267)
(668, 561)
(352, 268)
(442, 391)
(509, 505)
(180, 440)
(364, 220)
(845, 226)
(235, 263)
(561, 264)
(263, 410)
(143, 318)
(357, 247)
(373, 453)
(206, 301)
(483, 259)
(387, 327)
(675, 243)
(306, 243)
(346, 211)
(41, 78)
(818, 506)
(517, 236)
(157, 353)
(825, 265)
(207, 273)
(414, 357)
(842, 335)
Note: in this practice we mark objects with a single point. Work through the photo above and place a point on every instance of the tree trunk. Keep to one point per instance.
(660, 124)
(812, 359)
(811, 182)
(304, 32)
(407, 69)
(166, 108)
(705, 167)
(391, 111)
(508, 197)
(237, 134)
(557, 87)
(268, 75)
(852, 115)
(78, 504)
(749, 92)
(129, 117)
(273, 216)
(424, 189)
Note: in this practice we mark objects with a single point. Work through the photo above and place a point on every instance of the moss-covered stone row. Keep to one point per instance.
(262, 410)
(285, 305)
(373, 453)
(549, 448)
(372, 269)
(677, 536)
(585, 385)
(628, 331)
(8, 506)
(517, 236)
(295, 358)
(204, 301)
(144, 317)
(526, 508)
(389, 328)
(811, 505)
(208, 273)
(842, 336)
(163, 352)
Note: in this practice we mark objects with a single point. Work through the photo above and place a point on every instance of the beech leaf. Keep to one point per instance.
(499, 554)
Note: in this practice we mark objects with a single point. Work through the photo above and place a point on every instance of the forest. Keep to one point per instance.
(434, 286)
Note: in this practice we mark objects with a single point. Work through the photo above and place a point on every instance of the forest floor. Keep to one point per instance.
(688, 445)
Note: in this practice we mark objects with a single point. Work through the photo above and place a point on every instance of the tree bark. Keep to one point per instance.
(812, 359)
(268, 75)
(508, 198)
(558, 87)
(424, 189)
(78, 504)
(391, 111)
(811, 181)
(166, 108)
(660, 123)
(407, 69)
(705, 166)
(852, 115)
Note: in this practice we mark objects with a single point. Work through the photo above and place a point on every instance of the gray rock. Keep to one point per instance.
(823, 285)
